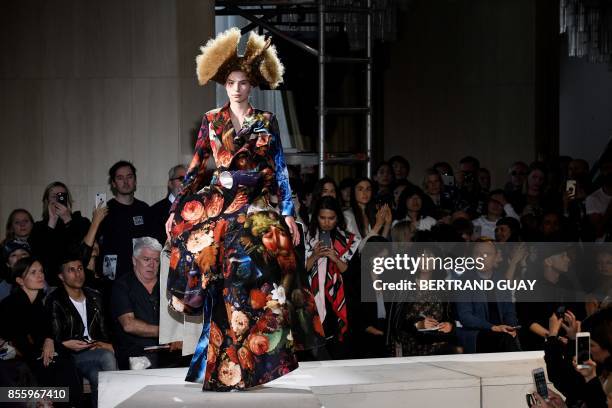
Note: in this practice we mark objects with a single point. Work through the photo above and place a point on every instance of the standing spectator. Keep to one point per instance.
(497, 207)
(345, 193)
(160, 211)
(19, 226)
(24, 323)
(326, 263)
(12, 251)
(135, 305)
(488, 318)
(471, 198)
(384, 178)
(517, 176)
(325, 187)
(59, 231)
(598, 204)
(364, 219)
(79, 324)
(127, 219)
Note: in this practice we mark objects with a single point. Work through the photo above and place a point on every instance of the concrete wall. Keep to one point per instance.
(86, 83)
(462, 81)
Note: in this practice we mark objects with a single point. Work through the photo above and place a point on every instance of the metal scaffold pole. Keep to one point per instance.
(321, 88)
(369, 92)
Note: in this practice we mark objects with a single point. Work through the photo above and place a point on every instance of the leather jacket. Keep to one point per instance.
(66, 320)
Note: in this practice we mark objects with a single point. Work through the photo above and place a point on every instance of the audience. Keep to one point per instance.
(19, 226)
(410, 207)
(365, 218)
(497, 208)
(12, 251)
(161, 209)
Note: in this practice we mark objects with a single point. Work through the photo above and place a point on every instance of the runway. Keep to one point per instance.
(477, 380)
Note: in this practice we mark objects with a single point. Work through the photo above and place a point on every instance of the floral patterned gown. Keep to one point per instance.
(232, 257)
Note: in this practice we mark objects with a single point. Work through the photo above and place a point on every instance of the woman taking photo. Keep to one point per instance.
(232, 253)
(329, 248)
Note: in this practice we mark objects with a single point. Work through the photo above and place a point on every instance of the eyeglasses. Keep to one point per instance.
(177, 178)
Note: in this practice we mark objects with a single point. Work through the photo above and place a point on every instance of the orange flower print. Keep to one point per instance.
(231, 354)
(258, 299)
(246, 359)
(216, 337)
(223, 158)
(192, 211)
(258, 344)
(175, 256)
(239, 201)
(214, 205)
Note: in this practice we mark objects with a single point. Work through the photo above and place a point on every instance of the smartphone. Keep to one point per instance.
(539, 379)
(100, 199)
(570, 187)
(560, 312)
(62, 198)
(448, 180)
(325, 238)
(583, 349)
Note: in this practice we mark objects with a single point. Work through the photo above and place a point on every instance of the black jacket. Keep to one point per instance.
(67, 323)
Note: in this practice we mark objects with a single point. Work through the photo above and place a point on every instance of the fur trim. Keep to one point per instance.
(220, 57)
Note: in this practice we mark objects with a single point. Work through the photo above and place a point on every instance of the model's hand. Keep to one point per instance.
(293, 228)
(169, 226)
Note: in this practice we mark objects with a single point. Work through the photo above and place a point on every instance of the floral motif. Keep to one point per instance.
(240, 322)
(258, 344)
(192, 211)
(214, 205)
(229, 373)
(216, 337)
(246, 358)
(199, 240)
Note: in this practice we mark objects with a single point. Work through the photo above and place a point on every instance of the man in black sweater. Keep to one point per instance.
(161, 209)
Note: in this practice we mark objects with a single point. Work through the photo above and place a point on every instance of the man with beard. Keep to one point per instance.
(127, 218)
(78, 324)
(161, 209)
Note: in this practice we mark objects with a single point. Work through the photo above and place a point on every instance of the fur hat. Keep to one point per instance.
(220, 57)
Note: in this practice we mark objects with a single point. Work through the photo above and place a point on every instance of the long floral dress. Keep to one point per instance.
(232, 257)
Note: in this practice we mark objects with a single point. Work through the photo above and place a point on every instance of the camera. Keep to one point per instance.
(62, 198)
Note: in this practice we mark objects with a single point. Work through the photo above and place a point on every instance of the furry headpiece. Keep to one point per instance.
(220, 57)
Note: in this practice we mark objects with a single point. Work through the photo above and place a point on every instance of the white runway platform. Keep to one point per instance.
(476, 380)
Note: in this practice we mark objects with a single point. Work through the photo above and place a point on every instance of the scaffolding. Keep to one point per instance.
(323, 14)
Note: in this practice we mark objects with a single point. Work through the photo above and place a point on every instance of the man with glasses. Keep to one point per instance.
(127, 218)
(78, 323)
(135, 307)
(161, 209)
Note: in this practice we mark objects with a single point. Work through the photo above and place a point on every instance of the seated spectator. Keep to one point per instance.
(19, 226)
(59, 231)
(471, 198)
(464, 228)
(400, 167)
(580, 386)
(127, 218)
(397, 188)
(534, 308)
(537, 197)
(484, 179)
(507, 229)
(599, 204)
(325, 187)
(135, 306)
(326, 264)
(497, 207)
(79, 323)
(364, 219)
(345, 193)
(440, 195)
(600, 287)
(425, 325)
(26, 325)
(12, 251)
(402, 231)
(410, 208)
(488, 318)
(161, 209)
(517, 177)
(384, 178)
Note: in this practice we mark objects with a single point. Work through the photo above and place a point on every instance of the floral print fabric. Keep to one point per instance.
(232, 257)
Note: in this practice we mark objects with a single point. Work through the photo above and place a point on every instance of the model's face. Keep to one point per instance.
(433, 184)
(238, 87)
(15, 256)
(502, 233)
(328, 190)
(73, 274)
(146, 264)
(33, 279)
(363, 192)
(22, 225)
(327, 220)
(125, 181)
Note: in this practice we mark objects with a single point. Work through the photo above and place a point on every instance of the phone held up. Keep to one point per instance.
(583, 349)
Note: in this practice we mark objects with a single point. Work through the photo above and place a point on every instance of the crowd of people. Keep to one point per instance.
(79, 296)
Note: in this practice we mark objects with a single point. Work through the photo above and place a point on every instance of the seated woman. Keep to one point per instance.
(329, 248)
(25, 324)
(365, 219)
(424, 326)
(411, 208)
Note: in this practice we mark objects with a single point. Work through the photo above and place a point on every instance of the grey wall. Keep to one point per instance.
(86, 83)
(462, 81)
(585, 108)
